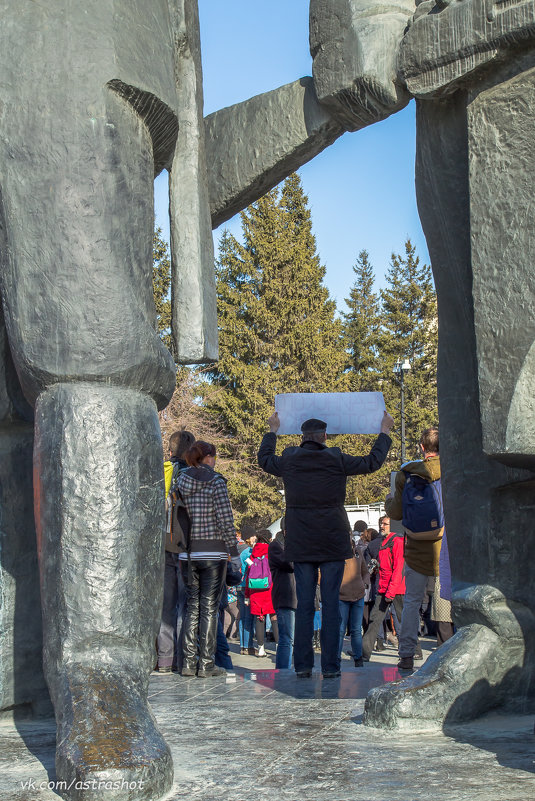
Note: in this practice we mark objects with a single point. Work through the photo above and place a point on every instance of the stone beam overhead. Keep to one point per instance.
(252, 146)
(443, 46)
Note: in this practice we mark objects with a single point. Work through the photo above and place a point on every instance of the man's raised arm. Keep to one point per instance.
(360, 465)
(266, 453)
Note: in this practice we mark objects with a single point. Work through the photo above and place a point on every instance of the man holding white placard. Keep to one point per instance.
(317, 527)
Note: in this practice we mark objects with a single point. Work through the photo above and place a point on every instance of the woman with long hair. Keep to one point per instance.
(212, 538)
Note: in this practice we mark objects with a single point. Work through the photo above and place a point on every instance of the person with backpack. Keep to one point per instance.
(210, 539)
(284, 599)
(169, 642)
(352, 590)
(258, 586)
(417, 502)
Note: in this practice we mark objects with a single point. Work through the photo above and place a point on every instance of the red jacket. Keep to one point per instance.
(261, 603)
(391, 579)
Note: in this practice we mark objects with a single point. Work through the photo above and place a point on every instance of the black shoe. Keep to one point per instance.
(406, 663)
(349, 653)
(366, 657)
(332, 674)
(187, 671)
(380, 646)
(211, 672)
(418, 655)
(359, 662)
(303, 674)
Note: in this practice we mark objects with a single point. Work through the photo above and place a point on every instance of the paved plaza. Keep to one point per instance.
(262, 734)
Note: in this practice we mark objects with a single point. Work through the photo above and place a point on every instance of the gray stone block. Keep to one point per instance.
(447, 42)
(501, 131)
(467, 676)
(354, 45)
(253, 145)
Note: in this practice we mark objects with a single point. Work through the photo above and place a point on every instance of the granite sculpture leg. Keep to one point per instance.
(99, 538)
(472, 66)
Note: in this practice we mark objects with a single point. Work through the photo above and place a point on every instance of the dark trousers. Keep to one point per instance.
(230, 619)
(368, 605)
(203, 589)
(260, 625)
(170, 640)
(306, 579)
(444, 631)
(222, 651)
(377, 615)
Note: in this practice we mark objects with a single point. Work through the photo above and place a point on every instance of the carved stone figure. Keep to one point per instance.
(110, 94)
(471, 65)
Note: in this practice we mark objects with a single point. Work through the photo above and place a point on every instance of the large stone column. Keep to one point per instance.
(101, 583)
(475, 185)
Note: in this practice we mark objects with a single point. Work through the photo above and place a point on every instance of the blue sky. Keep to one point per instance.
(361, 189)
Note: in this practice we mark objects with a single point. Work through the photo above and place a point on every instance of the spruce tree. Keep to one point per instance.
(410, 331)
(361, 327)
(278, 333)
(161, 282)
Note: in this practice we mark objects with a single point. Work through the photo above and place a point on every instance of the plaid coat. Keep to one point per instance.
(212, 524)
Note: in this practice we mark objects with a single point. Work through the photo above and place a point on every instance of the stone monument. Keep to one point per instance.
(471, 66)
(110, 94)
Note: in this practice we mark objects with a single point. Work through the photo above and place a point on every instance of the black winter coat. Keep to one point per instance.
(283, 592)
(315, 478)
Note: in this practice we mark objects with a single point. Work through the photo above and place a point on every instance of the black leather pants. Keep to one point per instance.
(203, 589)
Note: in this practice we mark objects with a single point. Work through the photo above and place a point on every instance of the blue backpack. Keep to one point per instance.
(259, 575)
(423, 515)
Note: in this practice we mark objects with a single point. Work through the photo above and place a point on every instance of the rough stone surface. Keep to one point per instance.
(22, 682)
(76, 204)
(354, 44)
(193, 301)
(101, 566)
(501, 131)
(469, 675)
(448, 41)
(251, 146)
(480, 355)
(314, 744)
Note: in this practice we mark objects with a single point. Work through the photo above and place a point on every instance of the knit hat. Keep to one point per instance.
(313, 426)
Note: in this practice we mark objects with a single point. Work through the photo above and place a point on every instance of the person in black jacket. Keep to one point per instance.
(317, 528)
(284, 599)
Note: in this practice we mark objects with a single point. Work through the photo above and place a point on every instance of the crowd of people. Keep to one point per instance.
(316, 581)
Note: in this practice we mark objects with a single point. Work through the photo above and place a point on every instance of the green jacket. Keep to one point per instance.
(420, 555)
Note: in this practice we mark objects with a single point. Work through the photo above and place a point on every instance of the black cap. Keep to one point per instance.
(312, 426)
